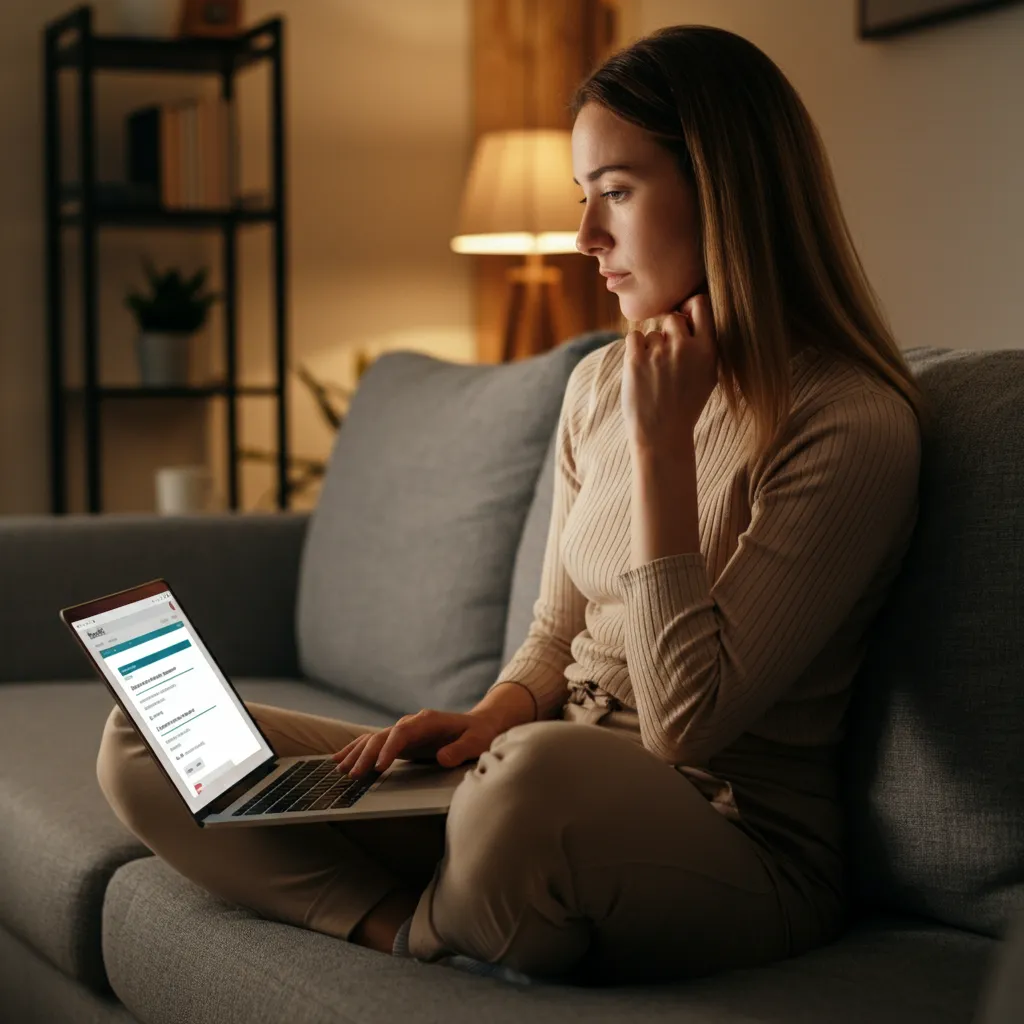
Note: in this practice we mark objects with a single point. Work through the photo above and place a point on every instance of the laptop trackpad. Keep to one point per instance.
(413, 775)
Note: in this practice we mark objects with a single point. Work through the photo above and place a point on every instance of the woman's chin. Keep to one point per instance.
(632, 310)
(637, 311)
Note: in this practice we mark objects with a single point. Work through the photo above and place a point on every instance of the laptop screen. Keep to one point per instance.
(195, 723)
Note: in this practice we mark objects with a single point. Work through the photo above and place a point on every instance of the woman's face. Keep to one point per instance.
(640, 219)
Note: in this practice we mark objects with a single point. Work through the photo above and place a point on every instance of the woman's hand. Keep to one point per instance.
(667, 377)
(451, 737)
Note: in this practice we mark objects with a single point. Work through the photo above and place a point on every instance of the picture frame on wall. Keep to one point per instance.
(880, 19)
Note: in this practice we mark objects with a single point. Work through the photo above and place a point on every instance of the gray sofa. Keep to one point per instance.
(410, 586)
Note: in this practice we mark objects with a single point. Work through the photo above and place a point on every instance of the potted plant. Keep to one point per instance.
(167, 317)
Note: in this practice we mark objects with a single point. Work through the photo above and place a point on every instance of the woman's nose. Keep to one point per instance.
(588, 238)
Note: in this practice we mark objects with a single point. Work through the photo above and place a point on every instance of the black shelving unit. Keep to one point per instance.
(71, 45)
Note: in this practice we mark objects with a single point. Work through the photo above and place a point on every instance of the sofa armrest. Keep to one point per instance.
(237, 576)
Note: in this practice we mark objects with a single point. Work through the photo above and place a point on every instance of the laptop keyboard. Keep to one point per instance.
(308, 786)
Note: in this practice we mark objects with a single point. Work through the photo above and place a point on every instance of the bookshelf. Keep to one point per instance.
(71, 46)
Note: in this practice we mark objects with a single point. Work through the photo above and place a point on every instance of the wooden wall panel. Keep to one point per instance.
(528, 58)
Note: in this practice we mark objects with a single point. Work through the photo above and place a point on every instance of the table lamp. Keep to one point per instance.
(520, 199)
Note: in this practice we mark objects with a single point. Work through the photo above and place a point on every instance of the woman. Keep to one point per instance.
(735, 491)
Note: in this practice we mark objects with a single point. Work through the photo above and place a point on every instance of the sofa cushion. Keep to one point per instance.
(33, 991)
(936, 738)
(406, 570)
(60, 841)
(176, 953)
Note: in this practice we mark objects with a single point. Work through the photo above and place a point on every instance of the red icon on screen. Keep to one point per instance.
(171, 605)
(199, 786)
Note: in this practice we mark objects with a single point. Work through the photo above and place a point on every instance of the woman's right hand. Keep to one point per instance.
(450, 737)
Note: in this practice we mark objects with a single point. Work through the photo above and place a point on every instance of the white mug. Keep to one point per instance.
(181, 490)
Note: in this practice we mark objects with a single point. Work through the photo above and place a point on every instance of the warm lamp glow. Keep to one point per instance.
(512, 244)
(520, 197)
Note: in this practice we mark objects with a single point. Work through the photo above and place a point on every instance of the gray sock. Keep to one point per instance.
(467, 963)
(400, 947)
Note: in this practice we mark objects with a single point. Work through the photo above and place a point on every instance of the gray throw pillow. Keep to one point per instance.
(405, 574)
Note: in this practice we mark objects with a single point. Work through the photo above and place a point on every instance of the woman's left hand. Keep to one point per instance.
(667, 378)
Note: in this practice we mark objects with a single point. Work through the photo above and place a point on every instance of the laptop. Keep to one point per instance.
(211, 751)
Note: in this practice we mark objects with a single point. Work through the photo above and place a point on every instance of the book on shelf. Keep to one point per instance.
(181, 149)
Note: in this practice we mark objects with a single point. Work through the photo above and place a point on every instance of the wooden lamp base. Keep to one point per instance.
(535, 320)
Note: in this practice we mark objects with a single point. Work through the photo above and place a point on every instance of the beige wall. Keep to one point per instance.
(378, 140)
(927, 143)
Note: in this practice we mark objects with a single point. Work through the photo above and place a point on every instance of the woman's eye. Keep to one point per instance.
(614, 192)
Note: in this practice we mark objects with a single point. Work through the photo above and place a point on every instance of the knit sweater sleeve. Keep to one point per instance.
(705, 662)
(559, 611)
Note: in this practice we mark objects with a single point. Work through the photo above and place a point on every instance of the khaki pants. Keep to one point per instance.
(569, 850)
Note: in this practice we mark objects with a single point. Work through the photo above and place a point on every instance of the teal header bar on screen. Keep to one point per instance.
(118, 648)
(150, 658)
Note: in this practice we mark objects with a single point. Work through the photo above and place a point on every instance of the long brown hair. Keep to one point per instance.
(780, 262)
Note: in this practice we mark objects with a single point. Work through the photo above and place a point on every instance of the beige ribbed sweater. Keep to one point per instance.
(761, 633)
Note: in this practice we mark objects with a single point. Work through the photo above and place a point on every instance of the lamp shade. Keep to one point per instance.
(520, 197)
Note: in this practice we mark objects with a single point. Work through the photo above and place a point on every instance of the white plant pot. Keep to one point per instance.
(164, 358)
(147, 17)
